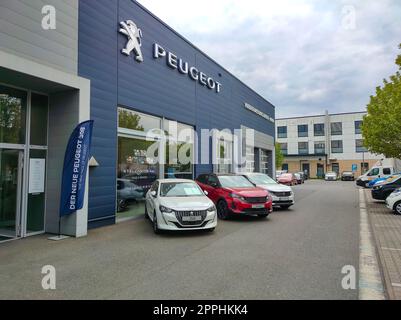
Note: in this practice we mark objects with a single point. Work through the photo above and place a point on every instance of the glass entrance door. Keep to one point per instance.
(10, 193)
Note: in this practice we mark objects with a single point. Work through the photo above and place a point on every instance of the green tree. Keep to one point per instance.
(381, 127)
(279, 157)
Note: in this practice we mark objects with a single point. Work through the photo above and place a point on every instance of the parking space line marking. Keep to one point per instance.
(398, 285)
(370, 280)
(391, 249)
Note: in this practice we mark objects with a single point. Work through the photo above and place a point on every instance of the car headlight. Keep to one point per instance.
(378, 187)
(211, 209)
(165, 209)
(237, 196)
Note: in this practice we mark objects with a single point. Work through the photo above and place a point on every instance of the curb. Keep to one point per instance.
(370, 279)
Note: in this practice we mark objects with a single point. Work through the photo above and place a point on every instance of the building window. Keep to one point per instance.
(364, 167)
(318, 129)
(282, 132)
(358, 129)
(303, 148)
(136, 121)
(303, 130)
(320, 148)
(336, 146)
(250, 159)
(284, 167)
(284, 148)
(264, 161)
(336, 128)
(359, 147)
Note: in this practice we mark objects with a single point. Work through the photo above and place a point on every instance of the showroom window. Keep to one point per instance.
(281, 132)
(225, 156)
(284, 148)
(264, 161)
(136, 121)
(320, 148)
(359, 147)
(303, 148)
(358, 127)
(303, 130)
(143, 157)
(250, 159)
(336, 146)
(336, 128)
(179, 150)
(318, 129)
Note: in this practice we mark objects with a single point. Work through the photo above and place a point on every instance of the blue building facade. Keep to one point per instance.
(154, 90)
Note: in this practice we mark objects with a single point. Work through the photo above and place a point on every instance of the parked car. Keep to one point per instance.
(127, 192)
(384, 167)
(299, 178)
(303, 176)
(179, 204)
(330, 176)
(384, 189)
(282, 195)
(393, 201)
(347, 176)
(280, 172)
(383, 180)
(235, 195)
(287, 179)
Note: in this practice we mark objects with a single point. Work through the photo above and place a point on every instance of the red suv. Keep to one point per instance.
(234, 194)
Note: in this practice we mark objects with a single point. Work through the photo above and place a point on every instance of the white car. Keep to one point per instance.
(330, 176)
(282, 195)
(393, 201)
(179, 204)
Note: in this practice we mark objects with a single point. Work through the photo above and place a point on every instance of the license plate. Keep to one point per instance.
(258, 206)
(192, 218)
(284, 199)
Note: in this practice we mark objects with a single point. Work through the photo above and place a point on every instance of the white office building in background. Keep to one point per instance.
(322, 143)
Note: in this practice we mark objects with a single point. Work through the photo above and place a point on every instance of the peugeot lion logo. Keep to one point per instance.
(134, 34)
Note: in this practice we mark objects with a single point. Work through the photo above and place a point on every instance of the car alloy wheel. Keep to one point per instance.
(155, 225)
(222, 210)
(397, 208)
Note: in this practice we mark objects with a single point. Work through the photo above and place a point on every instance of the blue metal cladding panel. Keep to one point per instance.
(151, 87)
(97, 61)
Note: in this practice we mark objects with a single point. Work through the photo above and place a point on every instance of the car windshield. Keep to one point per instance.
(180, 189)
(235, 182)
(286, 176)
(261, 179)
(331, 173)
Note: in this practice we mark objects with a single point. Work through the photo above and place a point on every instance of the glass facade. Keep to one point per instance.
(149, 148)
(23, 151)
(13, 104)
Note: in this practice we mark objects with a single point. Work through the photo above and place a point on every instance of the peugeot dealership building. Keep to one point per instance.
(145, 87)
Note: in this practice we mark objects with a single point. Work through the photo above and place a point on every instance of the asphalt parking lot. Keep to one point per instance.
(294, 254)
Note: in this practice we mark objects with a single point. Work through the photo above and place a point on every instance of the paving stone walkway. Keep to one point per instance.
(386, 227)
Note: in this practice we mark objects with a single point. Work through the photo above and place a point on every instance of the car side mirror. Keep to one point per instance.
(153, 194)
(213, 185)
(205, 192)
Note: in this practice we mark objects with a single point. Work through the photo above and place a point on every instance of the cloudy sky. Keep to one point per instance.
(304, 56)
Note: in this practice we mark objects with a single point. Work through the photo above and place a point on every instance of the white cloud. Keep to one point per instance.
(295, 53)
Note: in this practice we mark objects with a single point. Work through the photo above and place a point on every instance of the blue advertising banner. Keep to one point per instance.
(75, 165)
